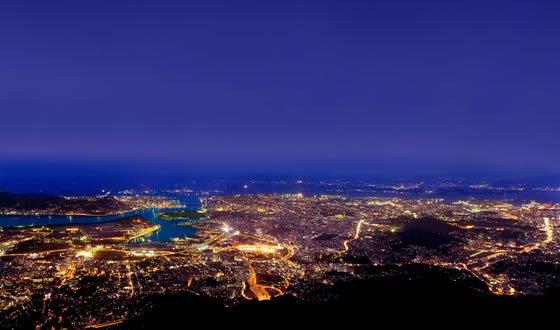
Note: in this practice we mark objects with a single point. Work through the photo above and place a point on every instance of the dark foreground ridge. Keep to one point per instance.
(427, 296)
(416, 295)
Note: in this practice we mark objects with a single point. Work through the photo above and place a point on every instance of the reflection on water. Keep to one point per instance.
(168, 230)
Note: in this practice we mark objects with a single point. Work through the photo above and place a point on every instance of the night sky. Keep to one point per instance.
(372, 87)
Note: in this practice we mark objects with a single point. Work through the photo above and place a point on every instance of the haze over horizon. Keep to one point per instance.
(298, 88)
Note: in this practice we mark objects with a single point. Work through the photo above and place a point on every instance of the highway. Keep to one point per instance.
(356, 235)
(258, 290)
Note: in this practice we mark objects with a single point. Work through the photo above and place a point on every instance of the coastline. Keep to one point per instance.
(56, 225)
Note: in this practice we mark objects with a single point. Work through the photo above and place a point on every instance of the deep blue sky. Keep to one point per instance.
(344, 87)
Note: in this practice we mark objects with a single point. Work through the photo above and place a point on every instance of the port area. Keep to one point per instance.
(32, 241)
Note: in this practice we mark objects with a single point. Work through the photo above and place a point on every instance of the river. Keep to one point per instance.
(168, 230)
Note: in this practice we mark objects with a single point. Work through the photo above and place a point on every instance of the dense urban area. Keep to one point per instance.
(258, 247)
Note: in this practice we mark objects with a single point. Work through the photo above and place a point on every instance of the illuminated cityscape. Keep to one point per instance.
(256, 247)
(294, 164)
